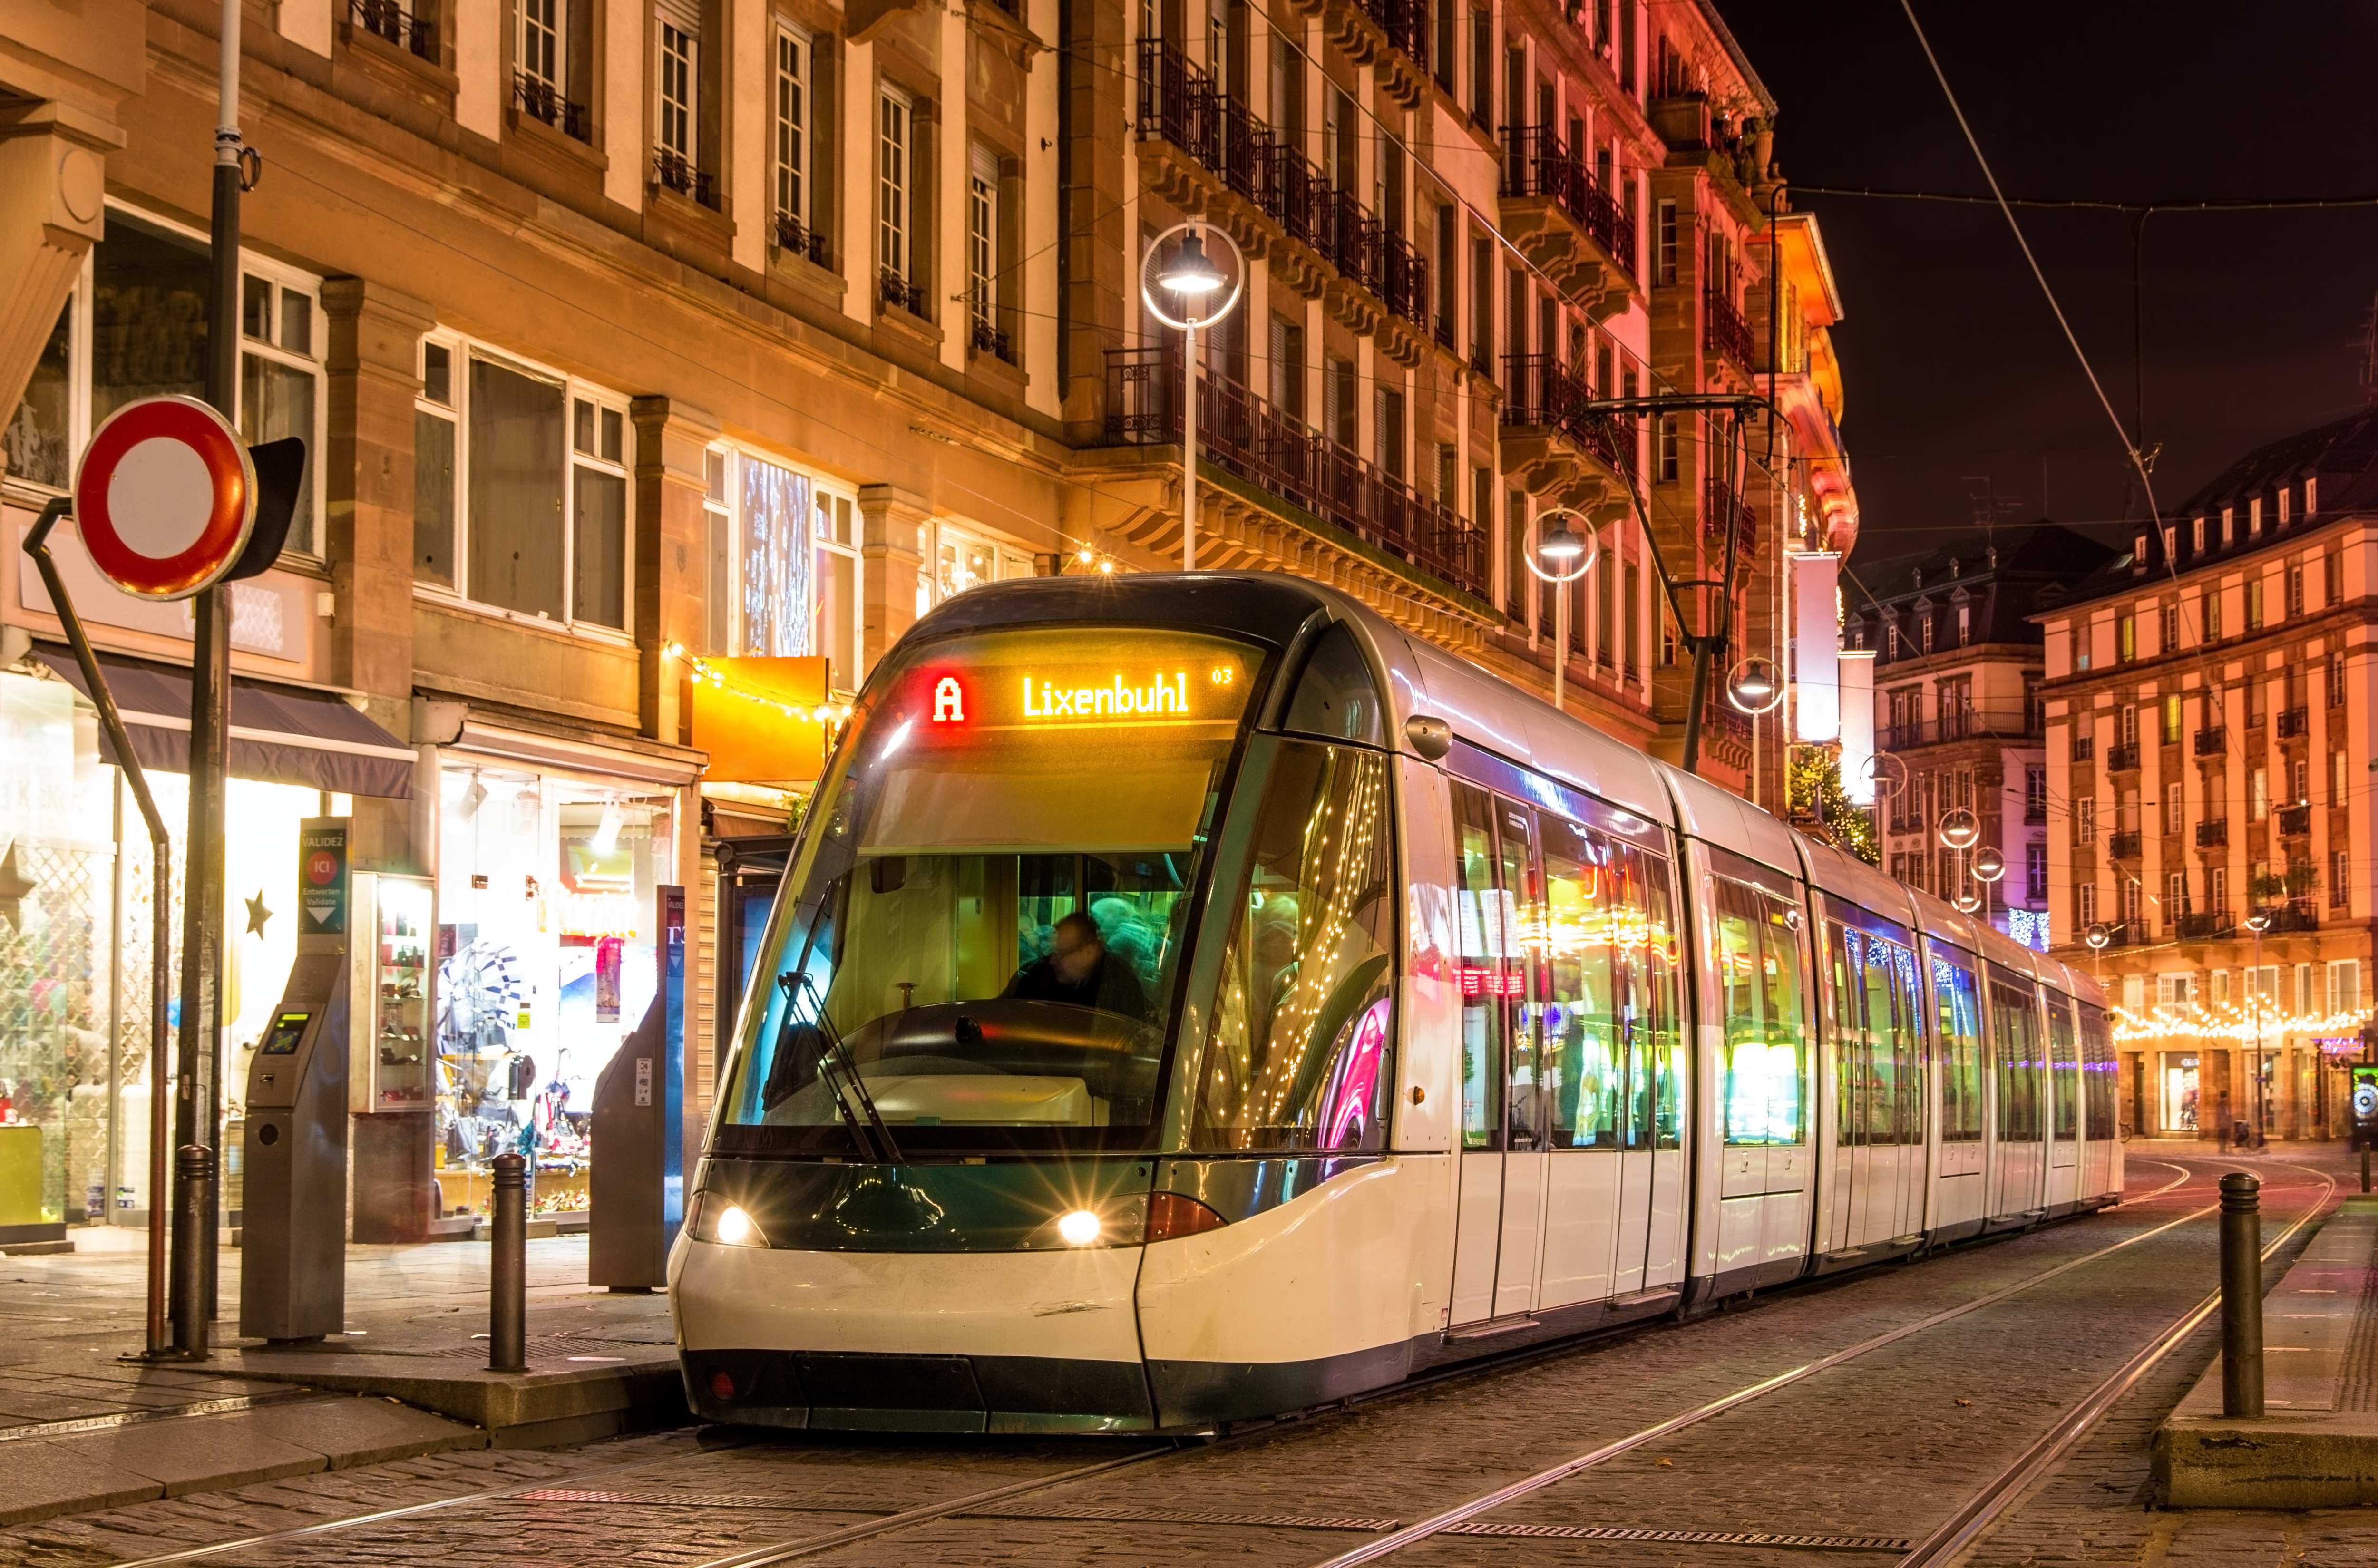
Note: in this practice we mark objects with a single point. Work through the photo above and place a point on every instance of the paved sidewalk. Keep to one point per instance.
(80, 1428)
(2316, 1445)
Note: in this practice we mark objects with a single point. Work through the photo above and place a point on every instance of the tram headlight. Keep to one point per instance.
(1079, 1228)
(713, 1219)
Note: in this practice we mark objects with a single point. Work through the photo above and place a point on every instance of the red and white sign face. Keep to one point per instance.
(165, 497)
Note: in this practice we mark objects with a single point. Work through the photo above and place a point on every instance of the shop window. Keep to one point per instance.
(136, 326)
(520, 496)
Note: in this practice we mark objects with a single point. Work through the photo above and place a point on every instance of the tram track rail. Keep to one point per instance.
(1462, 1519)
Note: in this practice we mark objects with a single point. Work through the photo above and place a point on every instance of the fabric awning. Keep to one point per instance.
(279, 734)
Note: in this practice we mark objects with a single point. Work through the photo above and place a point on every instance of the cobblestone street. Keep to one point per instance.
(1856, 1463)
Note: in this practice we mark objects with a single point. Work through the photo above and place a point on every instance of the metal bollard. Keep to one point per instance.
(508, 1269)
(194, 1184)
(2242, 1295)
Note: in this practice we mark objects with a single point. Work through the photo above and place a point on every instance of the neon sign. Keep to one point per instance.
(1160, 696)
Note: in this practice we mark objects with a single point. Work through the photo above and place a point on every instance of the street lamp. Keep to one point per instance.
(1959, 829)
(1564, 555)
(1753, 687)
(1192, 277)
(2259, 998)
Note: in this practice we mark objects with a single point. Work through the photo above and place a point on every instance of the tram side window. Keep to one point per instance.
(1299, 1053)
(1336, 697)
(1584, 1062)
(1879, 1077)
(2064, 1074)
(1483, 916)
(2016, 1032)
(1651, 1005)
(1524, 995)
(1765, 1065)
(1961, 1052)
(2098, 1088)
(1847, 1031)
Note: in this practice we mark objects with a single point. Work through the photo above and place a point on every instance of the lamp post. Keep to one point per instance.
(2259, 998)
(1191, 275)
(1565, 555)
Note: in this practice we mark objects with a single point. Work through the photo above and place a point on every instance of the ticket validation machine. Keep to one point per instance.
(293, 1277)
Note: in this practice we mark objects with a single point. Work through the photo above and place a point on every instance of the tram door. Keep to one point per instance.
(1499, 1234)
(1957, 1071)
(2017, 1068)
(2063, 1107)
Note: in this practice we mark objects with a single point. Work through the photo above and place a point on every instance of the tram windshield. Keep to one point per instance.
(985, 925)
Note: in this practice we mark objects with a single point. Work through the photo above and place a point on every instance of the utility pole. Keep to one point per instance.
(197, 1097)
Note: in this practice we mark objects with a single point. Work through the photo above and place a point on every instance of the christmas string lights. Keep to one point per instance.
(705, 673)
(2252, 1020)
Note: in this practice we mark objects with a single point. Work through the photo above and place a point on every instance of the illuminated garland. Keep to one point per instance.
(708, 673)
(2252, 1020)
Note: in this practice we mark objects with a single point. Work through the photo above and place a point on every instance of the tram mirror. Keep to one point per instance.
(2365, 1108)
(1336, 697)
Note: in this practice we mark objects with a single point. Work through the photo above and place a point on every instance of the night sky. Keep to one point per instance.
(1952, 365)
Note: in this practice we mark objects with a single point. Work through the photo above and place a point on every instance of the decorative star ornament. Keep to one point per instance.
(257, 913)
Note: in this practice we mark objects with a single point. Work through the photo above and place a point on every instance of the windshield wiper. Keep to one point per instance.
(836, 1070)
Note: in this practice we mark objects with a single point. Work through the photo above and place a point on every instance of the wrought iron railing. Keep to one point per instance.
(1538, 163)
(903, 292)
(2123, 758)
(2295, 821)
(673, 170)
(1962, 723)
(987, 338)
(412, 31)
(1723, 329)
(2213, 835)
(2211, 741)
(2122, 847)
(2205, 925)
(542, 101)
(1718, 504)
(2294, 722)
(1179, 104)
(1245, 434)
(1542, 395)
(798, 237)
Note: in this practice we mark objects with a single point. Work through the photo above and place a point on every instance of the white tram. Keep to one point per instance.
(1194, 999)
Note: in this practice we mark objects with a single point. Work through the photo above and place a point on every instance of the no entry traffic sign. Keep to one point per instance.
(166, 498)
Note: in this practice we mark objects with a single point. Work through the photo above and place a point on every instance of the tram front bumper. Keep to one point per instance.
(1039, 1341)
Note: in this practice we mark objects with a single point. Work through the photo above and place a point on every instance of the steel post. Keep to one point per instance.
(507, 1268)
(194, 1174)
(2242, 1295)
(1189, 448)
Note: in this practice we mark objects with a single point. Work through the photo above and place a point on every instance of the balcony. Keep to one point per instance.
(2212, 742)
(2295, 821)
(2213, 835)
(2295, 723)
(899, 293)
(987, 338)
(2207, 925)
(540, 102)
(2293, 915)
(1550, 430)
(1181, 107)
(1719, 504)
(1724, 331)
(1960, 724)
(1566, 223)
(797, 238)
(2123, 758)
(2085, 747)
(2122, 847)
(673, 171)
(1243, 434)
(389, 21)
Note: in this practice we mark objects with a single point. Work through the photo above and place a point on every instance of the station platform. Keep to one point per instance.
(2316, 1444)
(80, 1428)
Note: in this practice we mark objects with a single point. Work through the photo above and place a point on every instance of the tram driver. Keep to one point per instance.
(1080, 972)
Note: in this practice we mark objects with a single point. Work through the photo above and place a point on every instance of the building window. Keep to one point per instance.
(1288, 367)
(2337, 685)
(2034, 872)
(680, 78)
(1664, 434)
(1964, 625)
(2340, 879)
(2213, 614)
(2198, 535)
(527, 507)
(542, 46)
(1666, 271)
(2172, 719)
(2174, 812)
(2254, 518)
(2259, 793)
(2216, 890)
(2254, 604)
(2228, 526)
(2332, 580)
(892, 192)
(792, 113)
(982, 250)
(2345, 985)
(2086, 899)
(2170, 629)
(2126, 638)
(1924, 623)
(784, 569)
(2300, 776)
(2085, 819)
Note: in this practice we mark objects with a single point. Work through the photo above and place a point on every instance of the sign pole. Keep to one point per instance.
(198, 1070)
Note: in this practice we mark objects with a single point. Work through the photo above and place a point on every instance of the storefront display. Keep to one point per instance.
(2182, 1089)
(544, 961)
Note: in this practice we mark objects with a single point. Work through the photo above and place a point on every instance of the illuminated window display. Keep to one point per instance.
(543, 954)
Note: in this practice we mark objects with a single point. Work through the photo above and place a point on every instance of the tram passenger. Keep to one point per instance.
(1080, 972)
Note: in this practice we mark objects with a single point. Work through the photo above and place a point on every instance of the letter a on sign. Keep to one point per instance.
(949, 702)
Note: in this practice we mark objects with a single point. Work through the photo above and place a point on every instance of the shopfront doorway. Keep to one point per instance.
(2182, 1109)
